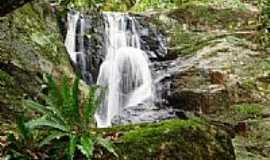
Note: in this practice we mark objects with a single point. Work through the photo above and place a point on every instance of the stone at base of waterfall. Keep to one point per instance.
(141, 114)
(193, 139)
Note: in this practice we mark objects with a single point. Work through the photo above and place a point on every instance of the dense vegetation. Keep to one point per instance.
(229, 38)
(63, 118)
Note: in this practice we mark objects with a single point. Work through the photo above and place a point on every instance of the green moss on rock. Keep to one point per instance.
(191, 139)
(30, 46)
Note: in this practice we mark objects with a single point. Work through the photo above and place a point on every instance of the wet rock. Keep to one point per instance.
(211, 80)
(153, 41)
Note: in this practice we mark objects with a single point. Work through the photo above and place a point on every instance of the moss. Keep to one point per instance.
(30, 46)
(172, 139)
(241, 112)
(248, 109)
(159, 129)
(38, 28)
(5, 79)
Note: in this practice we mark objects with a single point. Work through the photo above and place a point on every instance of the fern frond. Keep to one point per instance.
(23, 130)
(66, 99)
(91, 105)
(72, 146)
(35, 106)
(46, 121)
(86, 146)
(52, 136)
(54, 93)
(107, 144)
(75, 99)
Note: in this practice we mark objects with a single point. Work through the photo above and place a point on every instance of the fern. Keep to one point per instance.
(62, 116)
(75, 100)
(54, 94)
(108, 145)
(72, 146)
(52, 136)
(23, 130)
(47, 121)
(86, 146)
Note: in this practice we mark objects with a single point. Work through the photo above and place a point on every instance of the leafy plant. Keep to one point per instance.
(65, 117)
(87, 4)
(21, 144)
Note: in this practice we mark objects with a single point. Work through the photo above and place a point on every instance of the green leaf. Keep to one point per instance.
(56, 114)
(91, 104)
(23, 129)
(52, 136)
(46, 121)
(65, 94)
(86, 146)
(54, 94)
(72, 146)
(75, 99)
(35, 106)
(107, 144)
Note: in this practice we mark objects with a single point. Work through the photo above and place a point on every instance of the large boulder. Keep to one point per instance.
(193, 139)
(30, 47)
(216, 58)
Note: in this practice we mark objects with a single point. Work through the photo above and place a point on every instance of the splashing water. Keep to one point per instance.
(125, 72)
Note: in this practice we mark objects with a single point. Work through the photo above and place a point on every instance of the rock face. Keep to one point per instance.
(191, 139)
(214, 63)
(30, 47)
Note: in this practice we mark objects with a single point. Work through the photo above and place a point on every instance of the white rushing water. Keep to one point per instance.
(125, 73)
(70, 41)
(74, 43)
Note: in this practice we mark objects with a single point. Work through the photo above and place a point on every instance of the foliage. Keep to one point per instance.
(265, 22)
(65, 117)
(248, 109)
(241, 112)
(143, 5)
(105, 5)
(82, 4)
(21, 144)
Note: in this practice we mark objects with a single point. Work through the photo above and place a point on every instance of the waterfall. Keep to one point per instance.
(70, 41)
(74, 43)
(125, 73)
(116, 51)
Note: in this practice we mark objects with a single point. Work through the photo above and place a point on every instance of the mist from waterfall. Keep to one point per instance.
(125, 73)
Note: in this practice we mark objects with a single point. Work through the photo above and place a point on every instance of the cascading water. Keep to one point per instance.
(74, 43)
(125, 72)
(70, 41)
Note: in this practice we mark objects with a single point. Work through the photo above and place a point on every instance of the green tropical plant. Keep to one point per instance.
(65, 117)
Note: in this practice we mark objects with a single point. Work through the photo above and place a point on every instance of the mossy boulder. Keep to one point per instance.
(193, 139)
(30, 47)
(216, 59)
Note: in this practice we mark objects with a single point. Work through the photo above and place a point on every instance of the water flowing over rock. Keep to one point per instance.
(125, 72)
